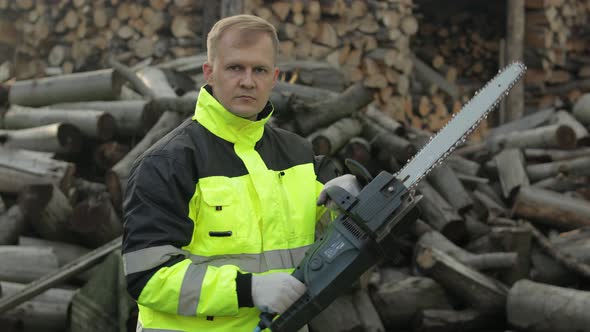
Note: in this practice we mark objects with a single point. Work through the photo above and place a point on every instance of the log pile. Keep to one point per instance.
(68, 36)
(556, 36)
(368, 41)
(499, 217)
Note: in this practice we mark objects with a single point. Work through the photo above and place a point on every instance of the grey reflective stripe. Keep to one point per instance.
(148, 258)
(140, 328)
(257, 263)
(190, 291)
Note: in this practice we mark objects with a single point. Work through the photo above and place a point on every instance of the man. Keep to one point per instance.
(221, 210)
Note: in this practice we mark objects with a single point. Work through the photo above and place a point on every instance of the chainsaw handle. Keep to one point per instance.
(359, 171)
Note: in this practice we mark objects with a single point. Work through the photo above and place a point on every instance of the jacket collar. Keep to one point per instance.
(218, 120)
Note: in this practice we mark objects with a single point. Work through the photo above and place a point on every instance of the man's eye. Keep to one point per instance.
(260, 70)
(234, 68)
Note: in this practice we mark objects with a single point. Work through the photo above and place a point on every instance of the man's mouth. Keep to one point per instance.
(248, 98)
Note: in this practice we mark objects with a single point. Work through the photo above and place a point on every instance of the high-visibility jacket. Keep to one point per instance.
(216, 200)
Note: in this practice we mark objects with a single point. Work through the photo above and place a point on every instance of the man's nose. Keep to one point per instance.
(247, 80)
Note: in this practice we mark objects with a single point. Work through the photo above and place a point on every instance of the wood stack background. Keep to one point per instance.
(503, 225)
(76, 35)
(557, 50)
(369, 41)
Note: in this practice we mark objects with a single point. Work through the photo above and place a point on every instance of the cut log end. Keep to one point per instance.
(566, 137)
(106, 127)
(425, 259)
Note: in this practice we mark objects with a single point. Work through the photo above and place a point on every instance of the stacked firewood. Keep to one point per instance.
(367, 40)
(501, 221)
(75, 35)
(556, 36)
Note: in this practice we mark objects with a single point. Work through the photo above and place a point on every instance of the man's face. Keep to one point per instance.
(243, 73)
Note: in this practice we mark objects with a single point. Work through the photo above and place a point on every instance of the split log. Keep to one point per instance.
(550, 136)
(438, 213)
(12, 225)
(554, 209)
(329, 140)
(398, 301)
(322, 113)
(510, 163)
(484, 261)
(318, 74)
(581, 109)
(25, 264)
(60, 138)
(542, 307)
(47, 312)
(576, 167)
(19, 168)
(92, 123)
(474, 288)
(48, 210)
(446, 183)
(102, 84)
(131, 116)
(441, 320)
(95, 221)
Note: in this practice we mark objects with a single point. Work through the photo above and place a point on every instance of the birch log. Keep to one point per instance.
(544, 308)
(61, 138)
(92, 123)
(102, 84)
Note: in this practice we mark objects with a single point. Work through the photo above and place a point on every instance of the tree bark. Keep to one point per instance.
(92, 123)
(25, 264)
(85, 86)
(48, 210)
(47, 312)
(575, 167)
(515, 52)
(546, 308)
(12, 225)
(330, 139)
(131, 116)
(322, 113)
(116, 177)
(62, 138)
(474, 288)
(437, 320)
(446, 182)
(554, 209)
(397, 301)
(437, 212)
(550, 136)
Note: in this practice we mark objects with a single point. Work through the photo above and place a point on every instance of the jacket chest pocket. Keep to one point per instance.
(224, 223)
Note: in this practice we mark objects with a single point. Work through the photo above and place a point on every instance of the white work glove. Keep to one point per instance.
(275, 292)
(347, 182)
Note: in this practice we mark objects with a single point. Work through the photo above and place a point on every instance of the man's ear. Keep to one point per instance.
(207, 71)
(275, 76)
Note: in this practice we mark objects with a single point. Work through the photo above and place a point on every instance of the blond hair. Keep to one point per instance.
(244, 24)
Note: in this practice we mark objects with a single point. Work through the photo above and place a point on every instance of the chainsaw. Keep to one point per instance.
(369, 224)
